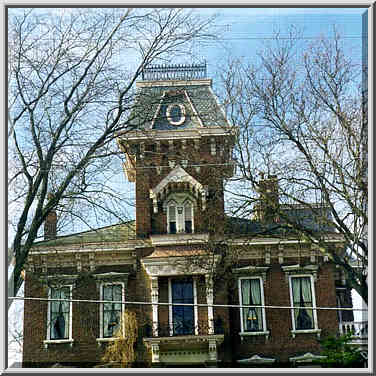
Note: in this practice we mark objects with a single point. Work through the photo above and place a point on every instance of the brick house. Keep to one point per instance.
(183, 249)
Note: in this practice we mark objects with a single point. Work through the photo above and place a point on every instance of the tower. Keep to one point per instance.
(178, 152)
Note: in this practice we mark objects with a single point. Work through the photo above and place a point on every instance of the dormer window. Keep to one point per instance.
(180, 217)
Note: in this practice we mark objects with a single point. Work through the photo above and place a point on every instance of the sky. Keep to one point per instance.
(241, 32)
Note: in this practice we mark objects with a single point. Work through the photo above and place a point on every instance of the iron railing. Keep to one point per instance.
(174, 72)
(166, 330)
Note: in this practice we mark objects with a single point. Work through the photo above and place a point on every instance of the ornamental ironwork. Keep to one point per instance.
(174, 72)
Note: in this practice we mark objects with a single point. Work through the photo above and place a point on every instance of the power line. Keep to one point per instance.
(185, 304)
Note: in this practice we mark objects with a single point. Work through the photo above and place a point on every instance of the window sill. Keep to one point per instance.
(263, 333)
(306, 331)
(109, 339)
(57, 342)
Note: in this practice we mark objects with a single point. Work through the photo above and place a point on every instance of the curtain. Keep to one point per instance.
(302, 297)
(251, 295)
(59, 313)
(256, 300)
(111, 311)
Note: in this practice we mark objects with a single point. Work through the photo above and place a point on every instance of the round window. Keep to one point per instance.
(176, 114)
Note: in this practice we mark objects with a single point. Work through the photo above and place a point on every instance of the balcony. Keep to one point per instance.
(188, 346)
(358, 331)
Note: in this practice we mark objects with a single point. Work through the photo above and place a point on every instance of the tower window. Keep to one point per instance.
(172, 219)
(180, 217)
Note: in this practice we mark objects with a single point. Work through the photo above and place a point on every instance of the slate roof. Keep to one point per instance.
(302, 216)
(109, 234)
(201, 97)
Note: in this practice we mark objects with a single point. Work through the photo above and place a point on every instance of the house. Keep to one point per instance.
(208, 290)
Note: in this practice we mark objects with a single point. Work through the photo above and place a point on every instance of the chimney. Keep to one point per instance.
(267, 208)
(50, 223)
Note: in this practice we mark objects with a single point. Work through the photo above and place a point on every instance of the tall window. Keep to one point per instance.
(183, 317)
(172, 219)
(59, 313)
(301, 290)
(251, 293)
(111, 312)
(180, 217)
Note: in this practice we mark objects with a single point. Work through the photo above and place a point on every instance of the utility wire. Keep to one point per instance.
(186, 304)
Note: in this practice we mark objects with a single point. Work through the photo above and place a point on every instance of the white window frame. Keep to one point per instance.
(101, 334)
(313, 292)
(195, 308)
(242, 330)
(48, 335)
(180, 218)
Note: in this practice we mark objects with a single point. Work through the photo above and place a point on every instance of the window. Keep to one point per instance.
(302, 296)
(59, 313)
(251, 293)
(182, 318)
(111, 312)
(180, 217)
(172, 219)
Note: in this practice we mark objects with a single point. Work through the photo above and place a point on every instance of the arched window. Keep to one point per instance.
(172, 218)
(180, 216)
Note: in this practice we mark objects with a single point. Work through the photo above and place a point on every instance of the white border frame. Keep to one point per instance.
(101, 337)
(48, 336)
(242, 331)
(183, 114)
(313, 292)
(195, 308)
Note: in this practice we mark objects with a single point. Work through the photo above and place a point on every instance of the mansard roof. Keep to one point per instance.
(197, 96)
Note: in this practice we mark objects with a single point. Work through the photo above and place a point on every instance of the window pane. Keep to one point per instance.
(188, 227)
(172, 227)
(172, 213)
(188, 212)
(182, 316)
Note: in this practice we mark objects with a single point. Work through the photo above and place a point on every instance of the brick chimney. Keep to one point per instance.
(50, 224)
(267, 208)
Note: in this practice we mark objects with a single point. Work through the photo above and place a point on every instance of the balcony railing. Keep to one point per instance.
(358, 329)
(165, 330)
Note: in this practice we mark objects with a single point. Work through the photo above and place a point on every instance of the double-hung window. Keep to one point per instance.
(183, 317)
(302, 296)
(251, 294)
(180, 217)
(59, 314)
(111, 309)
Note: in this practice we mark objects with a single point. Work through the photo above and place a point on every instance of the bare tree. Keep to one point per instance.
(300, 117)
(71, 76)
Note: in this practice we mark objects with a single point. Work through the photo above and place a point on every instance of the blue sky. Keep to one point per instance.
(243, 30)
